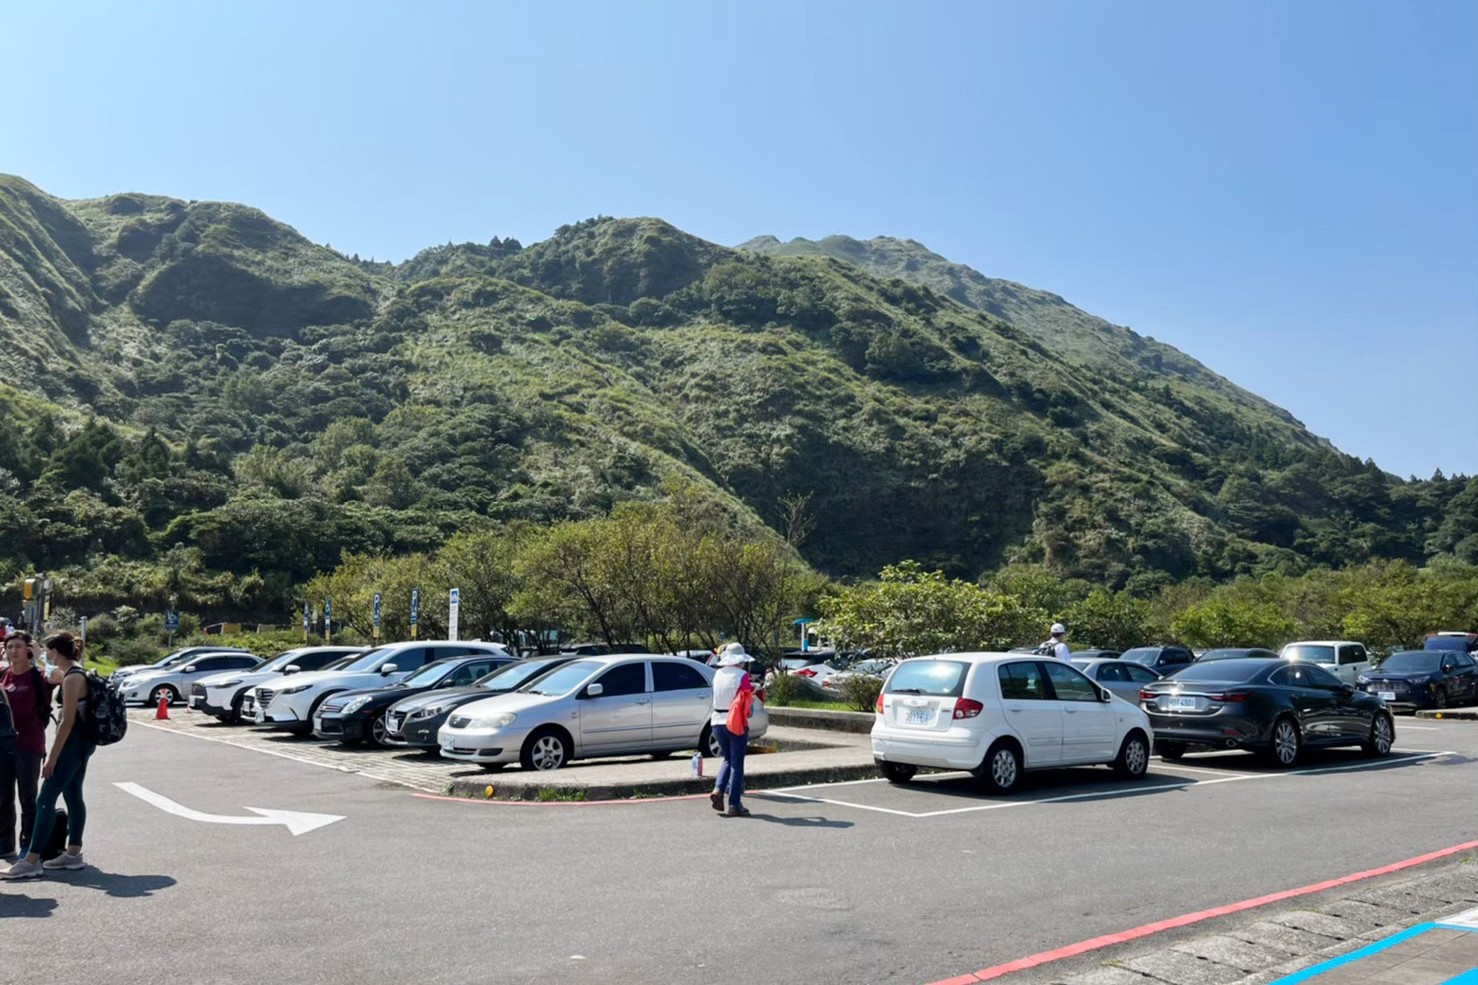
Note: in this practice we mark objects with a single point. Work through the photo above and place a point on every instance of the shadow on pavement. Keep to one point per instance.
(15, 905)
(801, 822)
(115, 885)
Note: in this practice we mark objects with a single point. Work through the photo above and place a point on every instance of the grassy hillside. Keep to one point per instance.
(203, 401)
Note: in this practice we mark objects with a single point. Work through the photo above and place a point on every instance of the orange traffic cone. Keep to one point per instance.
(163, 712)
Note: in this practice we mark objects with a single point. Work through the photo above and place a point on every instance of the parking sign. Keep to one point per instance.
(415, 612)
(454, 604)
(377, 615)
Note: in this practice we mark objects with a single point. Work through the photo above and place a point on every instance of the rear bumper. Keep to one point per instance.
(1216, 731)
(939, 750)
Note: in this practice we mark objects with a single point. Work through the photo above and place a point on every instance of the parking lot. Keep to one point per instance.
(840, 882)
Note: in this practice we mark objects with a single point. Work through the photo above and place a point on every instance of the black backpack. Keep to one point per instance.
(106, 719)
(8, 735)
(1047, 649)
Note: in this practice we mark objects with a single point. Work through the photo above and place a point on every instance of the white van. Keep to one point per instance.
(1345, 659)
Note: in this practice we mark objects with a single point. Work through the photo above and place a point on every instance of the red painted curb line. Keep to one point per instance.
(561, 803)
(1107, 940)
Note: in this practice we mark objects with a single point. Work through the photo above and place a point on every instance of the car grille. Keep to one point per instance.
(264, 697)
(198, 690)
(458, 721)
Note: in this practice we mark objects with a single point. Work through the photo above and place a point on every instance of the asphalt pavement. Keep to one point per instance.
(856, 882)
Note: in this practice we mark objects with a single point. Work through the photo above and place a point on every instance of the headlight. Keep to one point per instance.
(225, 684)
(1362, 679)
(493, 721)
(295, 690)
(431, 712)
(1420, 680)
(356, 704)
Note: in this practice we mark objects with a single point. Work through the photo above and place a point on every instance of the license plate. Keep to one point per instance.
(195, 701)
(448, 746)
(918, 716)
(261, 717)
(1180, 704)
(1387, 695)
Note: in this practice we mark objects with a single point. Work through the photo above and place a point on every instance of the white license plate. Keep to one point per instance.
(195, 701)
(1180, 704)
(918, 716)
(261, 717)
(1388, 695)
(448, 746)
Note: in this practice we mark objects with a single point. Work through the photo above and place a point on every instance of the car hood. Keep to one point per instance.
(244, 676)
(377, 695)
(513, 701)
(149, 675)
(426, 699)
(368, 680)
(1399, 675)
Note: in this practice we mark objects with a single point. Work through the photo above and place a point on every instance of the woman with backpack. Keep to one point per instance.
(65, 769)
(29, 695)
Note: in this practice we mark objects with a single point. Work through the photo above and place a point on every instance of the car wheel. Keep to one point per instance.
(897, 772)
(1170, 751)
(1134, 757)
(376, 731)
(1283, 749)
(708, 744)
(233, 717)
(161, 692)
(545, 750)
(1001, 769)
(1439, 697)
(1382, 736)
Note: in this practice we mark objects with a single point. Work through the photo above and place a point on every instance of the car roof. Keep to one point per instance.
(978, 656)
(1323, 643)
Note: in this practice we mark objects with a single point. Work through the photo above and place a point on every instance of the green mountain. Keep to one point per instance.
(196, 395)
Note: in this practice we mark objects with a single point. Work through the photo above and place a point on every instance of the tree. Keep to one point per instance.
(1227, 621)
(1114, 620)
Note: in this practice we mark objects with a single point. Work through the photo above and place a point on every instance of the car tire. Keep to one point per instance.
(1382, 736)
(547, 749)
(1000, 771)
(1133, 761)
(233, 717)
(1170, 751)
(1285, 743)
(1439, 698)
(897, 772)
(163, 691)
(374, 732)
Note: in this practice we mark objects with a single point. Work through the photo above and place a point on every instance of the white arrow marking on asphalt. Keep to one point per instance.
(298, 822)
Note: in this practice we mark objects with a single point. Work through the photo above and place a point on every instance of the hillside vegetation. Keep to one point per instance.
(198, 400)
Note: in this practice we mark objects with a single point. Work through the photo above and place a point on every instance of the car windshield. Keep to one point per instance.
(1309, 653)
(565, 679)
(429, 674)
(1141, 654)
(1221, 671)
(1412, 661)
(372, 659)
(340, 664)
(514, 675)
(942, 677)
(282, 661)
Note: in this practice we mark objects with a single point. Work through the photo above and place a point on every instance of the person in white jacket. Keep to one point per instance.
(728, 683)
(1055, 647)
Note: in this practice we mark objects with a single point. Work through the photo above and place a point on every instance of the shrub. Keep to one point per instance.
(861, 691)
(128, 652)
(782, 689)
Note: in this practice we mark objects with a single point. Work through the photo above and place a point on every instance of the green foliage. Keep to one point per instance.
(860, 691)
(1231, 622)
(783, 690)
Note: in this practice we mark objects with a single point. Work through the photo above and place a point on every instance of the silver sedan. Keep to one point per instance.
(1123, 677)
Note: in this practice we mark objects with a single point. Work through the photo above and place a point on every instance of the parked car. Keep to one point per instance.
(290, 705)
(1413, 679)
(249, 699)
(794, 660)
(358, 716)
(1237, 653)
(876, 668)
(414, 721)
(1093, 654)
(600, 649)
(173, 682)
(170, 660)
(997, 714)
(1161, 659)
(1274, 707)
(223, 695)
(593, 706)
(1123, 678)
(1345, 659)
(1464, 642)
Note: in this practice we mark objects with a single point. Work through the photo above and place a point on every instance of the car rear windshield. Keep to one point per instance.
(1224, 671)
(941, 677)
(1309, 654)
(1412, 660)
(1141, 654)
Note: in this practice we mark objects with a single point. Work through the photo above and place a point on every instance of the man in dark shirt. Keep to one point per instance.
(30, 705)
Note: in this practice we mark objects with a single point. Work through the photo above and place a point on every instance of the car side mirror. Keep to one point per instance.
(292, 669)
(389, 669)
(1105, 695)
(595, 690)
(190, 669)
(1447, 668)
(1347, 687)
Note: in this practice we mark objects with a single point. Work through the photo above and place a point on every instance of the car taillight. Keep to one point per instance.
(1146, 695)
(880, 702)
(805, 673)
(966, 708)
(1229, 697)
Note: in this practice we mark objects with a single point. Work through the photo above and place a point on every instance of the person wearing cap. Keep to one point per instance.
(1055, 647)
(729, 683)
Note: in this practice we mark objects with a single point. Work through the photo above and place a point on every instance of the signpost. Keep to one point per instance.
(377, 618)
(415, 613)
(307, 621)
(328, 618)
(171, 624)
(453, 605)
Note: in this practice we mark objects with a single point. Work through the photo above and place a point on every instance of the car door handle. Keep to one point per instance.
(1014, 708)
(642, 701)
(1070, 711)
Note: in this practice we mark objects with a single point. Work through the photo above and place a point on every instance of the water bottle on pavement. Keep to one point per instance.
(697, 766)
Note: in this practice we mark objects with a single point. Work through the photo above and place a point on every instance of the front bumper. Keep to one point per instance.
(494, 745)
(201, 699)
(284, 714)
(1406, 698)
(418, 732)
(352, 729)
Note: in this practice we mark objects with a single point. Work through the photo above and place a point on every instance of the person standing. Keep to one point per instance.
(29, 694)
(1055, 647)
(65, 769)
(731, 685)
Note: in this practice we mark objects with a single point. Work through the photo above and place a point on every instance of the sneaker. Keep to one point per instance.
(717, 800)
(22, 870)
(737, 812)
(66, 860)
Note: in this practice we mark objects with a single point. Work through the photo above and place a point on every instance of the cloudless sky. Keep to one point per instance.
(1287, 191)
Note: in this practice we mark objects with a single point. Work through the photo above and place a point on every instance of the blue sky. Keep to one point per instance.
(1286, 191)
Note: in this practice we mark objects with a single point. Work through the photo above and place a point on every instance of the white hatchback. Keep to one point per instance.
(998, 714)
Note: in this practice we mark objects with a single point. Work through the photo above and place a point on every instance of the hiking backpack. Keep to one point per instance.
(1047, 649)
(107, 718)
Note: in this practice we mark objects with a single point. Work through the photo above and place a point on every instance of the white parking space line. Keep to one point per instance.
(1135, 791)
(1201, 769)
(1421, 728)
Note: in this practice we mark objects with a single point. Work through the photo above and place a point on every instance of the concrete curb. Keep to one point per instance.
(1449, 714)
(513, 786)
(857, 722)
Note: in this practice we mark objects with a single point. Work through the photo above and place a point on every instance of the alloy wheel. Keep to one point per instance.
(1383, 736)
(1136, 757)
(1285, 742)
(548, 753)
(1003, 769)
(377, 730)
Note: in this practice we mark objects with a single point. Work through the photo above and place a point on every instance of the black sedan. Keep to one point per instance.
(1272, 706)
(1413, 679)
(1237, 653)
(413, 721)
(353, 717)
(1094, 655)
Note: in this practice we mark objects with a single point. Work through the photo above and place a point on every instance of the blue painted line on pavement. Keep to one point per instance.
(1467, 977)
(1364, 952)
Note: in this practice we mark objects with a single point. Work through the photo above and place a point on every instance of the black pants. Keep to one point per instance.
(19, 775)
